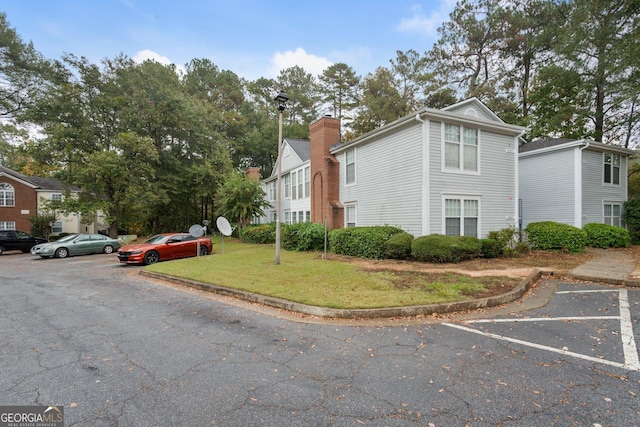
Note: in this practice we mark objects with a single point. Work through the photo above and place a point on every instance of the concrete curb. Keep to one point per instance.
(333, 313)
(607, 280)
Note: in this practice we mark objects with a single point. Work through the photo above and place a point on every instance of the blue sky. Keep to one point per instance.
(252, 38)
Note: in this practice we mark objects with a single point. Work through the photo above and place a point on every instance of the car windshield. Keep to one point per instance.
(67, 238)
(157, 239)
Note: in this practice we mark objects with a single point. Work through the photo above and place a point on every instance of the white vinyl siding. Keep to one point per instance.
(595, 191)
(548, 187)
(494, 183)
(389, 181)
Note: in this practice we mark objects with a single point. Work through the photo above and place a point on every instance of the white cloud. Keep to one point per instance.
(311, 63)
(427, 24)
(147, 54)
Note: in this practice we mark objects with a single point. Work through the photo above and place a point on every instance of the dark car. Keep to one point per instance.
(14, 240)
(164, 247)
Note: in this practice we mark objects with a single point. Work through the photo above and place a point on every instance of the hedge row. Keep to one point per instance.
(380, 242)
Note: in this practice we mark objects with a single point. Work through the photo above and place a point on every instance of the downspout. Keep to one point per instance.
(516, 202)
(426, 173)
(578, 186)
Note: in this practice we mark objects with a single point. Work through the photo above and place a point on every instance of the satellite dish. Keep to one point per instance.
(223, 226)
(196, 230)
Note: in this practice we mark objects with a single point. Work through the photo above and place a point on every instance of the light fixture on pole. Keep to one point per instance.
(281, 98)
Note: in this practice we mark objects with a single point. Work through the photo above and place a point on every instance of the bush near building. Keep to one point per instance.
(556, 236)
(439, 248)
(607, 236)
(363, 242)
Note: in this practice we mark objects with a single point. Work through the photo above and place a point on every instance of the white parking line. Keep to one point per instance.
(631, 360)
(541, 347)
(626, 331)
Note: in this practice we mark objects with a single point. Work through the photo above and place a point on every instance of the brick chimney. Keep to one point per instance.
(253, 173)
(325, 173)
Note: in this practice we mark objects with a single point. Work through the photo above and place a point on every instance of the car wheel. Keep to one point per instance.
(1, 250)
(204, 251)
(61, 253)
(108, 249)
(151, 257)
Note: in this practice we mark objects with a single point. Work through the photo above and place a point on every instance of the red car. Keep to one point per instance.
(163, 247)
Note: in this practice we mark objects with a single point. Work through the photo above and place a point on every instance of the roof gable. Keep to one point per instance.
(473, 107)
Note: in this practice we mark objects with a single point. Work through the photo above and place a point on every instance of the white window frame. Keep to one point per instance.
(57, 227)
(287, 186)
(462, 149)
(612, 219)
(307, 182)
(462, 199)
(287, 216)
(614, 162)
(350, 215)
(350, 164)
(7, 190)
(272, 190)
(57, 197)
(7, 225)
(294, 185)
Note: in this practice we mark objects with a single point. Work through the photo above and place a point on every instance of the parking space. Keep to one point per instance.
(584, 322)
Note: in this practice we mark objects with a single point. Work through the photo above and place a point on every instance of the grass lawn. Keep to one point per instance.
(307, 278)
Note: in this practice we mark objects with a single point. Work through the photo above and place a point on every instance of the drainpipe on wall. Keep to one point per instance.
(426, 188)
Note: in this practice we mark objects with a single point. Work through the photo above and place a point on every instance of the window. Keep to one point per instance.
(57, 197)
(7, 195)
(294, 217)
(461, 217)
(272, 190)
(294, 185)
(460, 148)
(7, 225)
(56, 227)
(612, 169)
(287, 186)
(613, 214)
(287, 217)
(350, 164)
(350, 215)
(307, 182)
(300, 184)
(308, 219)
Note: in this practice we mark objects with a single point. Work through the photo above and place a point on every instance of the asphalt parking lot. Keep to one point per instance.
(115, 348)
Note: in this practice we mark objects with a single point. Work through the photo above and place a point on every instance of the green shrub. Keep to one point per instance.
(555, 236)
(363, 242)
(507, 239)
(439, 248)
(607, 236)
(631, 217)
(398, 246)
(304, 236)
(491, 248)
(265, 233)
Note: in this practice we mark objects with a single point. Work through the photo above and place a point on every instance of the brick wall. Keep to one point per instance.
(253, 173)
(26, 204)
(325, 173)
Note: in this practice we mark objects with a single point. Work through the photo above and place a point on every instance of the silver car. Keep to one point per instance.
(76, 244)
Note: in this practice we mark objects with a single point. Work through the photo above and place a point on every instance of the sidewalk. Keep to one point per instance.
(609, 266)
